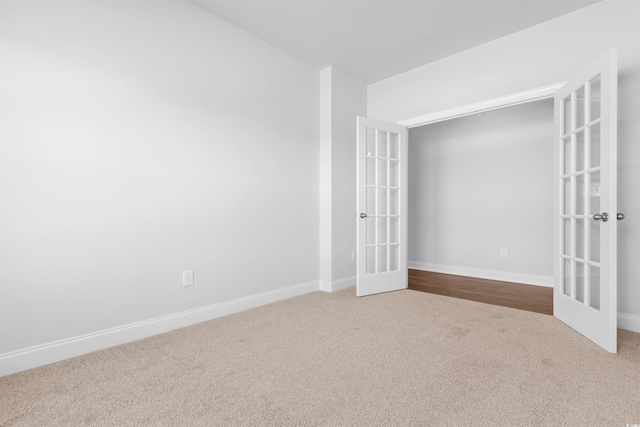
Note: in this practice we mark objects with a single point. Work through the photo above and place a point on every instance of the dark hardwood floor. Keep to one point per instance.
(538, 299)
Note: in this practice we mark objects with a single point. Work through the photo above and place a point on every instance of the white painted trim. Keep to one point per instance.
(629, 322)
(488, 105)
(21, 360)
(344, 283)
(325, 286)
(505, 276)
(338, 285)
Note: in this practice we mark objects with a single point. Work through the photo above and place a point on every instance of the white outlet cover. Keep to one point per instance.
(187, 278)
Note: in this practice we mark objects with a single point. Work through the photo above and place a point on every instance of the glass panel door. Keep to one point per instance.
(382, 207)
(585, 159)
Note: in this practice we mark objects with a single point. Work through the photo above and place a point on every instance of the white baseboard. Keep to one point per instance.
(629, 322)
(21, 360)
(504, 276)
(338, 285)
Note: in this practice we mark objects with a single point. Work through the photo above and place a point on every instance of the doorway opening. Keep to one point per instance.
(479, 206)
(585, 198)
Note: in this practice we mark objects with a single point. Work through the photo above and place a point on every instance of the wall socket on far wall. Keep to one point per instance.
(187, 278)
(504, 252)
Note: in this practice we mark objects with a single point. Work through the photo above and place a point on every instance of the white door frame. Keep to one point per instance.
(543, 92)
(531, 95)
(512, 100)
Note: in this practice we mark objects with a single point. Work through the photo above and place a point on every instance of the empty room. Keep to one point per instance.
(209, 212)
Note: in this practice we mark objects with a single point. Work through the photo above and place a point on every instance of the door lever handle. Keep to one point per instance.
(620, 216)
(604, 217)
(363, 215)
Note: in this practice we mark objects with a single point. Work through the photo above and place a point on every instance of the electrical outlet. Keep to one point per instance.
(187, 278)
(353, 256)
(504, 252)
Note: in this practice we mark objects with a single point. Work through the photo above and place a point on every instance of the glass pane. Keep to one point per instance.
(382, 202)
(382, 230)
(371, 201)
(382, 259)
(594, 146)
(594, 287)
(567, 156)
(371, 171)
(394, 145)
(394, 202)
(594, 243)
(566, 273)
(394, 174)
(594, 208)
(595, 98)
(580, 105)
(580, 151)
(394, 230)
(371, 231)
(382, 144)
(371, 142)
(567, 115)
(567, 196)
(382, 172)
(594, 205)
(566, 227)
(594, 187)
(371, 260)
(580, 208)
(580, 238)
(394, 258)
(580, 281)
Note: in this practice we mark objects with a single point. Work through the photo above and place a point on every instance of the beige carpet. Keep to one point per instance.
(402, 358)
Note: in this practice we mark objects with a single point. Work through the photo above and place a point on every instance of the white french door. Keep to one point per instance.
(585, 226)
(382, 207)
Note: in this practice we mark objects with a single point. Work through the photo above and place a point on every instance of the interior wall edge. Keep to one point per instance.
(338, 284)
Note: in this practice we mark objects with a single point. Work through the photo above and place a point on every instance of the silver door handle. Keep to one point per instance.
(620, 216)
(604, 217)
(363, 215)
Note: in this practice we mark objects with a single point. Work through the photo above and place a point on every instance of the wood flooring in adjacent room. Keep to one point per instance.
(538, 299)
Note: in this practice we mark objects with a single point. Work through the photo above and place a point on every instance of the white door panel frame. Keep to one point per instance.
(585, 248)
(382, 207)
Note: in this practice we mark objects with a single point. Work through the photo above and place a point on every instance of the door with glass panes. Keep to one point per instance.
(382, 207)
(586, 207)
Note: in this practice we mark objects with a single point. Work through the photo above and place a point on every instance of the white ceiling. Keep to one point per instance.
(376, 39)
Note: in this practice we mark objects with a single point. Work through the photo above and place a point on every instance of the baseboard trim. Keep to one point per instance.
(505, 276)
(338, 285)
(32, 357)
(629, 322)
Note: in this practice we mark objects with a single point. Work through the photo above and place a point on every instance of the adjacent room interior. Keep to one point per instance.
(481, 203)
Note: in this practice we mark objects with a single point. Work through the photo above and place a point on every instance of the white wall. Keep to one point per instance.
(342, 99)
(481, 183)
(349, 101)
(325, 176)
(141, 139)
(546, 53)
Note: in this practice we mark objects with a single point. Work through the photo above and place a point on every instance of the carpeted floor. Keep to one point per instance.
(396, 359)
